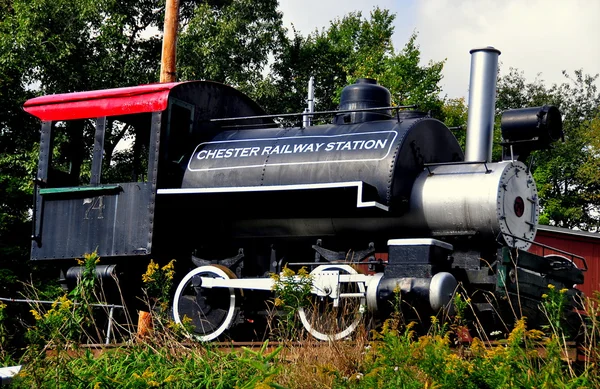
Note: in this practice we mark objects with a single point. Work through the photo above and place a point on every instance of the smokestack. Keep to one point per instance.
(482, 104)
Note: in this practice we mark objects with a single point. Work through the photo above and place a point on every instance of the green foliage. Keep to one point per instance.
(292, 289)
(158, 282)
(67, 46)
(526, 360)
(59, 325)
(15, 199)
(395, 359)
(85, 289)
(553, 305)
(454, 114)
(351, 47)
(3, 331)
(70, 318)
(230, 42)
(145, 367)
(460, 305)
(292, 292)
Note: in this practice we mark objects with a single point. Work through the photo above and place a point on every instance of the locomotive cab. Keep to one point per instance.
(85, 203)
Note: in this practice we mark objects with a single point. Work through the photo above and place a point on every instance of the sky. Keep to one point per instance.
(541, 38)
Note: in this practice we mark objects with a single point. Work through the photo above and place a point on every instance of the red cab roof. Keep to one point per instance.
(106, 102)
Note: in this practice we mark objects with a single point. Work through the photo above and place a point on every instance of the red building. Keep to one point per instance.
(581, 243)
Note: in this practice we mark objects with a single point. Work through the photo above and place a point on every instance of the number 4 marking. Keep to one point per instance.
(96, 204)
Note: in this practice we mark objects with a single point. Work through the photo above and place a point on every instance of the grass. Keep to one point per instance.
(394, 356)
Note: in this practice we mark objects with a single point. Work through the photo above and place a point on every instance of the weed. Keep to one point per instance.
(460, 308)
(143, 366)
(4, 335)
(70, 318)
(395, 357)
(292, 291)
(158, 282)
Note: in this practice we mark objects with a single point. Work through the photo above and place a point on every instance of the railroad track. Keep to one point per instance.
(573, 352)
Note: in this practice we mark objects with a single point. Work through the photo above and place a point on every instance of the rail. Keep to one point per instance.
(544, 247)
(430, 165)
(571, 351)
(284, 115)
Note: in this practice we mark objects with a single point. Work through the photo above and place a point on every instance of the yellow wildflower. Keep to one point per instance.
(36, 314)
(186, 320)
(80, 262)
(170, 378)
(278, 302)
(147, 373)
(477, 346)
(303, 272)
(535, 334)
(563, 290)
(550, 286)
(62, 303)
(65, 303)
(518, 331)
(169, 270)
(544, 296)
(152, 268)
(287, 272)
(91, 256)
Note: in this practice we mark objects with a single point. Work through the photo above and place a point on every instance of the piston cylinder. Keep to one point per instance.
(432, 293)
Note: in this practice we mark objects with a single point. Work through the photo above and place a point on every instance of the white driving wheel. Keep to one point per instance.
(326, 322)
(211, 310)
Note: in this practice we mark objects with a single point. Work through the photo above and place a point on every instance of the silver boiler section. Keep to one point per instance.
(488, 199)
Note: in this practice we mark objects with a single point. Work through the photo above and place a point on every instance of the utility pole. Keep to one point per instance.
(168, 65)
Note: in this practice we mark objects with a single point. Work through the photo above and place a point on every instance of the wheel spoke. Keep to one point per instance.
(211, 310)
(326, 322)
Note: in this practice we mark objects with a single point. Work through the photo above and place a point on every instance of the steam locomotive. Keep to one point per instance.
(382, 205)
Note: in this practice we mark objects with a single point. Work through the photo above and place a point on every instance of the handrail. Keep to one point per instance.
(543, 246)
(283, 115)
(34, 235)
(429, 165)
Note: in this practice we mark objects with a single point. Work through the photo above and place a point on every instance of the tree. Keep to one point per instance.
(454, 114)
(229, 41)
(351, 48)
(567, 175)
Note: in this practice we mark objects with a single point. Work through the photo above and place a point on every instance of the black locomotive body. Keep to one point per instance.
(218, 185)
